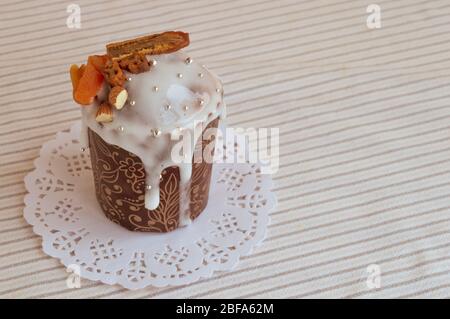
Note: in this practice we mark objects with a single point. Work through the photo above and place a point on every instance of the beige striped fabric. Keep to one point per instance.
(364, 119)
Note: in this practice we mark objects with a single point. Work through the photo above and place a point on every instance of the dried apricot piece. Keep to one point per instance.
(88, 86)
(162, 43)
(81, 70)
(74, 75)
(99, 61)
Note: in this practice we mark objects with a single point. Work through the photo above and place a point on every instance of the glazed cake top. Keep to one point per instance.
(146, 103)
(174, 93)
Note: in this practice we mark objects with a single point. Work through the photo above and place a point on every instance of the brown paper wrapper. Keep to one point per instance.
(120, 187)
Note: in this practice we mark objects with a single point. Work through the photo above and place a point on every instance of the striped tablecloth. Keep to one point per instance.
(363, 115)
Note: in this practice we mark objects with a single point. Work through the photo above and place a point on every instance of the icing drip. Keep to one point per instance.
(181, 105)
(84, 139)
(185, 183)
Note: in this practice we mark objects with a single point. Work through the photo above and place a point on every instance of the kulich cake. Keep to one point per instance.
(141, 101)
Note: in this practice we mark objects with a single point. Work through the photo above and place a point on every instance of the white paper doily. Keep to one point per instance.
(63, 210)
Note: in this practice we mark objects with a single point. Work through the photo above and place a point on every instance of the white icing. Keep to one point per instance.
(176, 107)
(84, 139)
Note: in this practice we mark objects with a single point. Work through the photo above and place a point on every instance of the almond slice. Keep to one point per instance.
(117, 97)
(162, 43)
(104, 113)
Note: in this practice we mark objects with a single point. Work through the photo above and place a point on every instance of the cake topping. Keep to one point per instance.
(113, 73)
(104, 113)
(87, 82)
(135, 63)
(75, 74)
(126, 56)
(117, 97)
(155, 44)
